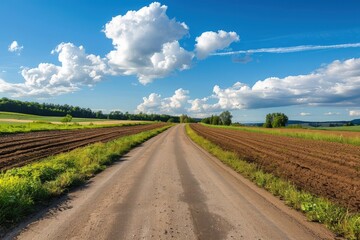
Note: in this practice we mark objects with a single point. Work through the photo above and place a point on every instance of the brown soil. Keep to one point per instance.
(326, 169)
(19, 149)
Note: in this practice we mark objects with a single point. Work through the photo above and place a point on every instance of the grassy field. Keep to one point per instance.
(19, 123)
(343, 128)
(9, 128)
(317, 209)
(321, 135)
(21, 189)
(29, 117)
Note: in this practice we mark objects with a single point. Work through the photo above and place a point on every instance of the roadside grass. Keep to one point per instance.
(317, 209)
(306, 135)
(8, 128)
(22, 189)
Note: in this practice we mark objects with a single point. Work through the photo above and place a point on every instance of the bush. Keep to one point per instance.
(67, 118)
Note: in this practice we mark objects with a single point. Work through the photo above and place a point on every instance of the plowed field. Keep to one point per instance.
(19, 149)
(326, 169)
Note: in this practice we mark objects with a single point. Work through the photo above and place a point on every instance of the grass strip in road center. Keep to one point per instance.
(317, 209)
(21, 189)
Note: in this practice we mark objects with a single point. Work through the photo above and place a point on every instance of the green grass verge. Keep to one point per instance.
(9, 128)
(306, 135)
(21, 189)
(318, 209)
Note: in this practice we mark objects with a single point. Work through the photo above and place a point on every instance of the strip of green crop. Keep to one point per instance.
(9, 128)
(21, 189)
(306, 135)
(318, 209)
(23, 116)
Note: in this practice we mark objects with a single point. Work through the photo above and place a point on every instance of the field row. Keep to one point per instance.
(326, 169)
(19, 149)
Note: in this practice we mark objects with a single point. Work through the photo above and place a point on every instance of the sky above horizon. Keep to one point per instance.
(199, 58)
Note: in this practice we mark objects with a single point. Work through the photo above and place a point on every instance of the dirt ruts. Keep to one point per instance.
(19, 149)
(326, 169)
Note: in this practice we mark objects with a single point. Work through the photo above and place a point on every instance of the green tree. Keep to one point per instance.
(186, 119)
(206, 120)
(275, 120)
(268, 121)
(225, 118)
(215, 120)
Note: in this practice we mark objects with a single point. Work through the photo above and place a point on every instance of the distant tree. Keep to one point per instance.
(215, 120)
(275, 120)
(268, 121)
(67, 118)
(236, 124)
(170, 120)
(206, 120)
(280, 120)
(49, 109)
(225, 118)
(99, 114)
(186, 119)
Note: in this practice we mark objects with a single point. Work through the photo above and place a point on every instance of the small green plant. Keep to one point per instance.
(66, 119)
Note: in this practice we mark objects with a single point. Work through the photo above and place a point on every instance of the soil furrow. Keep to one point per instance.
(329, 154)
(283, 151)
(51, 143)
(318, 169)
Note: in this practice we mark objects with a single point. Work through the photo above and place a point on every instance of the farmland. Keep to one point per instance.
(20, 117)
(348, 135)
(327, 169)
(22, 188)
(19, 149)
(22, 123)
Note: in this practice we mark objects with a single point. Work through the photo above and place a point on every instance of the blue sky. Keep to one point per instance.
(167, 57)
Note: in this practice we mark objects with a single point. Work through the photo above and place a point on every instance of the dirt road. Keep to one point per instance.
(170, 189)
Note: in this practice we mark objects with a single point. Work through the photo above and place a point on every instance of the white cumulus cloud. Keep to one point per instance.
(305, 114)
(210, 42)
(146, 43)
(354, 113)
(77, 69)
(338, 83)
(15, 47)
(170, 105)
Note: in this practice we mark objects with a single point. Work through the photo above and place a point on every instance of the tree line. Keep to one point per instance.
(275, 120)
(49, 109)
(223, 119)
